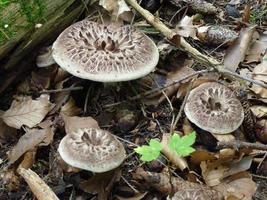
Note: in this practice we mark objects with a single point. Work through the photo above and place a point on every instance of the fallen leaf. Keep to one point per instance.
(26, 111)
(260, 74)
(74, 123)
(257, 49)
(70, 109)
(185, 27)
(259, 111)
(242, 188)
(214, 171)
(261, 131)
(237, 52)
(28, 141)
(118, 8)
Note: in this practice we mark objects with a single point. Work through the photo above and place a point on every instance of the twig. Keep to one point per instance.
(178, 116)
(239, 144)
(86, 101)
(207, 60)
(61, 90)
(147, 93)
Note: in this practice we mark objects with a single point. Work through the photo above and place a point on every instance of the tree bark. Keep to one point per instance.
(20, 39)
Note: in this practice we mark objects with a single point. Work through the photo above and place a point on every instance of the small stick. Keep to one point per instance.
(61, 90)
(178, 116)
(147, 93)
(239, 144)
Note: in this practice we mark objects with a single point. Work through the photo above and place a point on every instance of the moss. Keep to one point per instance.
(30, 10)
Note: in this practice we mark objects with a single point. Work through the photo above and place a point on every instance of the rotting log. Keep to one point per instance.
(25, 26)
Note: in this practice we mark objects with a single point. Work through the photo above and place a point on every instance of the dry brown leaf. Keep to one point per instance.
(28, 141)
(201, 155)
(185, 27)
(212, 174)
(38, 187)
(242, 188)
(260, 74)
(74, 123)
(259, 111)
(26, 111)
(178, 161)
(215, 171)
(70, 108)
(257, 49)
(118, 8)
(237, 52)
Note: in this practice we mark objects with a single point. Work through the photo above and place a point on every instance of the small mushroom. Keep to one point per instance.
(45, 58)
(213, 107)
(105, 52)
(92, 149)
(196, 194)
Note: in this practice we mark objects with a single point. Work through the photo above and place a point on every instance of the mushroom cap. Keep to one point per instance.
(214, 107)
(92, 149)
(105, 53)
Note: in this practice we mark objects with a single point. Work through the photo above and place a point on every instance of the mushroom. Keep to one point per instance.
(196, 194)
(105, 52)
(92, 149)
(213, 107)
(45, 58)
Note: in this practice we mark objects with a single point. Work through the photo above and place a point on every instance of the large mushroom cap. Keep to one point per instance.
(214, 108)
(92, 149)
(105, 53)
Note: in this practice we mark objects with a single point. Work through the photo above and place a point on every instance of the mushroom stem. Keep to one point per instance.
(207, 60)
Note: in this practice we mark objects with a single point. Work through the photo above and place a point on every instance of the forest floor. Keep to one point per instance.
(37, 112)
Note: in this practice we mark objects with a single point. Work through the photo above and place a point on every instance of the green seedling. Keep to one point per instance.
(181, 145)
(149, 152)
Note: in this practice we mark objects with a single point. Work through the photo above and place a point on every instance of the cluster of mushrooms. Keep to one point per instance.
(103, 53)
(112, 53)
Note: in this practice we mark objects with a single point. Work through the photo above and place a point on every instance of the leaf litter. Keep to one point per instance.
(47, 105)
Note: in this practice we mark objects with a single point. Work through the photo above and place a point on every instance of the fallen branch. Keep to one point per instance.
(38, 187)
(204, 59)
(239, 144)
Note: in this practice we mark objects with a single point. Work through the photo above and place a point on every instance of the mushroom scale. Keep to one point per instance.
(214, 107)
(105, 52)
(92, 149)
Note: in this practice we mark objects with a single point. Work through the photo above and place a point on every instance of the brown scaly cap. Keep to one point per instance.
(92, 149)
(105, 52)
(214, 107)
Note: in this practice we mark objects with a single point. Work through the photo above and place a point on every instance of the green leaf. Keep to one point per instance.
(182, 145)
(149, 152)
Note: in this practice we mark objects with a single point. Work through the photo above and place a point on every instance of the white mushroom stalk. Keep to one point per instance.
(92, 149)
(214, 107)
(105, 52)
